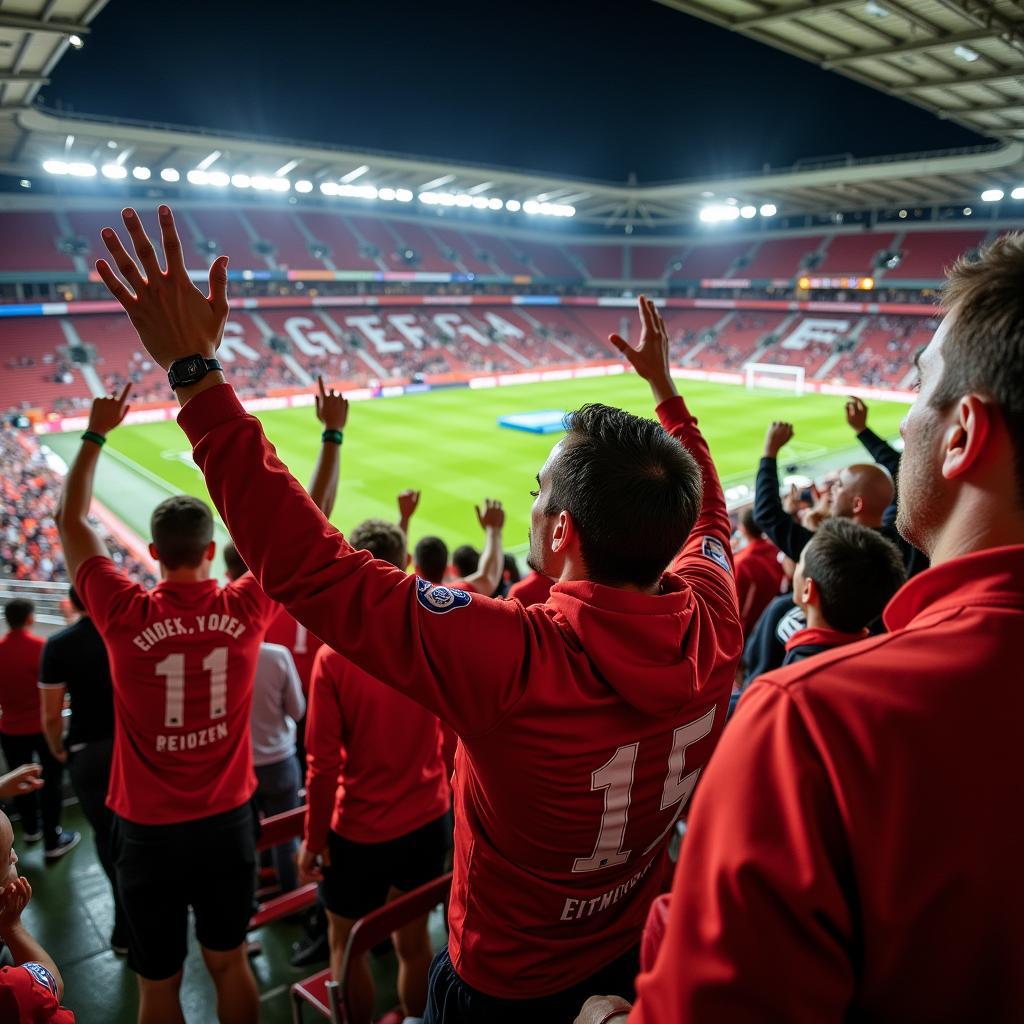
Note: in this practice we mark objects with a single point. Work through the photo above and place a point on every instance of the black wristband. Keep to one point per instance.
(91, 435)
(334, 436)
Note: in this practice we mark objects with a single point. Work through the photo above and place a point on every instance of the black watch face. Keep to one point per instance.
(193, 368)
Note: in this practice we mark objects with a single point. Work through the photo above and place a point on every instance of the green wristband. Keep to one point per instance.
(91, 435)
(335, 436)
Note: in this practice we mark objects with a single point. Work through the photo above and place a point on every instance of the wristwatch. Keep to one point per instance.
(190, 370)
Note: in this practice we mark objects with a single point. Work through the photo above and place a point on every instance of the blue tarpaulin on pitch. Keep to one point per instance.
(549, 421)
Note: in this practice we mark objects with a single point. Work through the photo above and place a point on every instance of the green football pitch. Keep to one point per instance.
(448, 445)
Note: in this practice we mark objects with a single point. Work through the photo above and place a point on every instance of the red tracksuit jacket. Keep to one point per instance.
(855, 851)
(585, 722)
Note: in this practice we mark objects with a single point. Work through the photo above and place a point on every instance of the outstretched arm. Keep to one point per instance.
(783, 530)
(332, 412)
(492, 559)
(78, 539)
(408, 502)
(434, 647)
(880, 450)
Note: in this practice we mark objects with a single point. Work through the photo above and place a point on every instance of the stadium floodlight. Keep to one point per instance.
(531, 206)
(446, 198)
(387, 194)
(403, 195)
(992, 195)
(768, 210)
(170, 174)
(55, 166)
(718, 213)
(965, 53)
(209, 160)
(141, 173)
(358, 191)
(747, 212)
(494, 203)
(347, 179)
(480, 203)
(513, 205)
(241, 180)
(25, 183)
(463, 200)
(260, 182)
(967, 211)
(81, 169)
(280, 184)
(1018, 192)
(114, 171)
(428, 198)
(219, 179)
(198, 177)
(304, 186)
(328, 188)
(76, 41)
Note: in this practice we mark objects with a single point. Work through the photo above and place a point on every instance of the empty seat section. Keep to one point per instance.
(548, 260)
(290, 246)
(414, 237)
(508, 255)
(854, 254)
(710, 260)
(30, 243)
(87, 225)
(603, 262)
(780, 258)
(33, 374)
(376, 234)
(331, 229)
(927, 254)
(465, 250)
(651, 262)
(226, 231)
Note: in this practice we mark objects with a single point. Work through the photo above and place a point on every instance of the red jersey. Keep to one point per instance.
(819, 878)
(182, 659)
(532, 589)
(20, 654)
(584, 722)
(759, 579)
(284, 630)
(375, 765)
(28, 995)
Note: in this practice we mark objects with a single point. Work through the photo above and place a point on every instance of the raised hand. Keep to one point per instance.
(493, 515)
(23, 780)
(107, 413)
(13, 900)
(650, 358)
(331, 407)
(779, 434)
(173, 317)
(856, 413)
(408, 502)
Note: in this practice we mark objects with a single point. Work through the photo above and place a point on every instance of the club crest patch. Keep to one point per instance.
(42, 975)
(441, 600)
(714, 549)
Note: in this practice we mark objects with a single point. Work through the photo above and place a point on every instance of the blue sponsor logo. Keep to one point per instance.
(440, 600)
(42, 975)
(714, 549)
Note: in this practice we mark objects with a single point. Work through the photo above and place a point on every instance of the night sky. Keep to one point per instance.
(575, 87)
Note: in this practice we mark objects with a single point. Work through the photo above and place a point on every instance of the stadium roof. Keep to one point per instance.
(961, 59)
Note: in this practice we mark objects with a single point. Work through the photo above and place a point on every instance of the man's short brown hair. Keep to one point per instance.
(382, 539)
(182, 529)
(984, 348)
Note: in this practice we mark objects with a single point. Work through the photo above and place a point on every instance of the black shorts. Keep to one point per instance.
(162, 870)
(361, 874)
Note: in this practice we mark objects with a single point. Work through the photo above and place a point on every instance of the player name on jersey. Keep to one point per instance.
(214, 623)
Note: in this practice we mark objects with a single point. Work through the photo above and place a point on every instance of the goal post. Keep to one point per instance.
(775, 375)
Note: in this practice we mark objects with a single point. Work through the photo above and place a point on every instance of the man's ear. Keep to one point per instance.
(966, 438)
(153, 552)
(858, 505)
(211, 550)
(810, 593)
(408, 560)
(564, 532)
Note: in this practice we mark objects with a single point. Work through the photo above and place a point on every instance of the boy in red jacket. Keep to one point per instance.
(584, 722)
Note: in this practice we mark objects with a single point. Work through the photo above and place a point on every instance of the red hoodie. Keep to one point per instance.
(855, 851)
(585, 722)
(759, 579)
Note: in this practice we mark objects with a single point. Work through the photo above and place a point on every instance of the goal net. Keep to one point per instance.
(772, 375)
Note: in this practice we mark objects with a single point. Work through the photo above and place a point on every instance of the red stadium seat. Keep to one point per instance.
(274, 831)
(327, 997)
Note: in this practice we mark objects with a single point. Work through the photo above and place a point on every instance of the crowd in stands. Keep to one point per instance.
(29, 542)
(826, 670)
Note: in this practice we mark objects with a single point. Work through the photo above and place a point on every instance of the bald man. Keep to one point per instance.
(864, 493)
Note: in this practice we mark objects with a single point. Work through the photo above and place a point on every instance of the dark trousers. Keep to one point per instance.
(19, 750)
(277, 791)
(89, 769)
(451, 1001)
